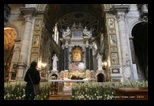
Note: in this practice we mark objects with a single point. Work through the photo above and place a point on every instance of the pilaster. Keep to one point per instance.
(120, 11)
(26, 38)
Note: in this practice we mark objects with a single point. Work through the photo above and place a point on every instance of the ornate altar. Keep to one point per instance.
(76, 40)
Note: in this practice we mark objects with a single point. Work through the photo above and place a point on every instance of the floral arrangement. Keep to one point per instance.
(101, 90)
(80, 91)
(16, 91)
(81, 75)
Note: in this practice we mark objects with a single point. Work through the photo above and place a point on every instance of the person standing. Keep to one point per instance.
(31, 74)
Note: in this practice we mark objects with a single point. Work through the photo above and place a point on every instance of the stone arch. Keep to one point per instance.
(132, 26)
(100, 72)
(100, 77)
(130, 36)
(140, 38)
(53, 73)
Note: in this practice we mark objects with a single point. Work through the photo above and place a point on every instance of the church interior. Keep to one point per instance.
(76, 42)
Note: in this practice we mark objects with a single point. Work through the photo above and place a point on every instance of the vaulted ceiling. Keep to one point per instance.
(90, 15)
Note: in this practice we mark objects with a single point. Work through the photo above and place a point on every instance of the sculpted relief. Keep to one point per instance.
(111, 23)
(114, 58)
(35, 40)
(37, 24)
(113, 39)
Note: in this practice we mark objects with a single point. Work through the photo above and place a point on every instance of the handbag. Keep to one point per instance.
(36, 87)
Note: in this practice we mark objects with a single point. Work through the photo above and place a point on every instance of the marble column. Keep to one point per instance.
(62, 56)
(91, 59)
(87, 58)
(26, 38)
(66, 59)
(66, 53)
(124, 39)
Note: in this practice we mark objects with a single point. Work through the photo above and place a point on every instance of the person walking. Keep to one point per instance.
(31, 74)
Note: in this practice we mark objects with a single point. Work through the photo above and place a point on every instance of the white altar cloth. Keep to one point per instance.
(68, 80)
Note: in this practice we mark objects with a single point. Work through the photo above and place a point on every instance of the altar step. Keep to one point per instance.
(60, 97)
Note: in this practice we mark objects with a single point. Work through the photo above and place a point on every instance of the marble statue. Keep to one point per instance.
(86, 32)
(66, 33)
(55, 59)
(99, 58)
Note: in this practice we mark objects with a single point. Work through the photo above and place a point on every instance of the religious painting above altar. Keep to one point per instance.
(76, 55)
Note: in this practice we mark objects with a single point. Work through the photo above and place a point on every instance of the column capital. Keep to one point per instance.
(28, 18)
(120, 8)
(28, 11)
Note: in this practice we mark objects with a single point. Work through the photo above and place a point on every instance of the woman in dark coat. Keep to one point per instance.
(35, 76)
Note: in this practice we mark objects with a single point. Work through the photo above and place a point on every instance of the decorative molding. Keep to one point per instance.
(36, 39)
(38, 24)
(41, 7)
(107, 7)
(112, 39)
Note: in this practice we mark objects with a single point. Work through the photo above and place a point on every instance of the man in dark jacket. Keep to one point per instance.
(32, 76)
